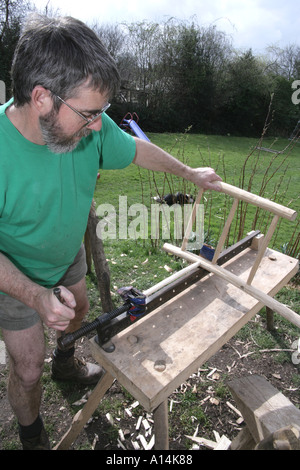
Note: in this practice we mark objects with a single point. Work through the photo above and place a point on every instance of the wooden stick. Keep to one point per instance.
(225, 231)
(263, 248)
(258, 201)
(191, 220)
(273, 304)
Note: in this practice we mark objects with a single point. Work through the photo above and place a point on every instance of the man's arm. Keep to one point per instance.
(53, 313)
(151, 157)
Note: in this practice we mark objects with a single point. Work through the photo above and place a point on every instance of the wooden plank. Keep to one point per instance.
(179, 336)
(264, 408)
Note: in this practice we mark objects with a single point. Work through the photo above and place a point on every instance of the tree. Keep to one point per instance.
(11, 14)
(201, 57)
(246, 96)
(285, 62)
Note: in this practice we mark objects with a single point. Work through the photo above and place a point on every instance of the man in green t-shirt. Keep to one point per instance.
(54, 137)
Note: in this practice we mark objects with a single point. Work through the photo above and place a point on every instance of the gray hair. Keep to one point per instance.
(60, 54)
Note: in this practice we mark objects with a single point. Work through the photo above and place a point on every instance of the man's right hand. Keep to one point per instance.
(56, 314)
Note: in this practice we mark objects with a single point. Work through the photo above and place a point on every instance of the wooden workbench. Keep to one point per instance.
(157, 354)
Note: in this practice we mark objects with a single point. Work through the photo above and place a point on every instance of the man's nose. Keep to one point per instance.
(96, 125)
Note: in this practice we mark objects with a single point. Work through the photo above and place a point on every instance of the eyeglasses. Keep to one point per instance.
(88, 120)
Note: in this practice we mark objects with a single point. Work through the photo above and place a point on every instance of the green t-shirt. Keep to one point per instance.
(45, 198)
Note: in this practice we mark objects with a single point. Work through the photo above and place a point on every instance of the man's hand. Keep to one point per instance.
(56, 314)
(53, 313)
(205, 178)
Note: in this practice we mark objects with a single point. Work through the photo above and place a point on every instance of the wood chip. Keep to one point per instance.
(214, 401)
(135, 445)
(121, 445)
(96, 439)
(146, 424)
(203, 442)
(233, 408)
(215, 376)
(138, 424)
(128, 412)
(211, 372)
(151, 443)
(80, 402)
(135, 404)
(167, 268)
(143, 441)
(109, 418)
(223, 444)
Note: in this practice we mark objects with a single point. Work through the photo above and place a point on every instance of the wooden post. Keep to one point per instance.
(270, 319)
(161, 427)
(100, 263)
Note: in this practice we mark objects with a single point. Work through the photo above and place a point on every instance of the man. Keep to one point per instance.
(54, 136)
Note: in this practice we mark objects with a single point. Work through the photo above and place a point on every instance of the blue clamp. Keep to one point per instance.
(136, 299)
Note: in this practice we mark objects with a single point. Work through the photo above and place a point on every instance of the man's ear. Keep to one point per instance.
(41, 99)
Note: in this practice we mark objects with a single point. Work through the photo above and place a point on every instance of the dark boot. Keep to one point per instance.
(40, 442)
(76, 370)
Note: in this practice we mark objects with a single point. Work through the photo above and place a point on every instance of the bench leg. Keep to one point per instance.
(161, 426)
(270, 319)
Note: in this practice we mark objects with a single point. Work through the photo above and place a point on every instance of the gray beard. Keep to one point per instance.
(55, 139)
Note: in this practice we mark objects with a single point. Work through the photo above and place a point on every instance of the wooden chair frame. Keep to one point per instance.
(239, 195)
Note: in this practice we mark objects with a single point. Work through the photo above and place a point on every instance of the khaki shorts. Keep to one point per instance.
(14, 315)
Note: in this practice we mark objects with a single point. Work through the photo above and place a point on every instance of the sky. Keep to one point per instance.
(255, 24)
